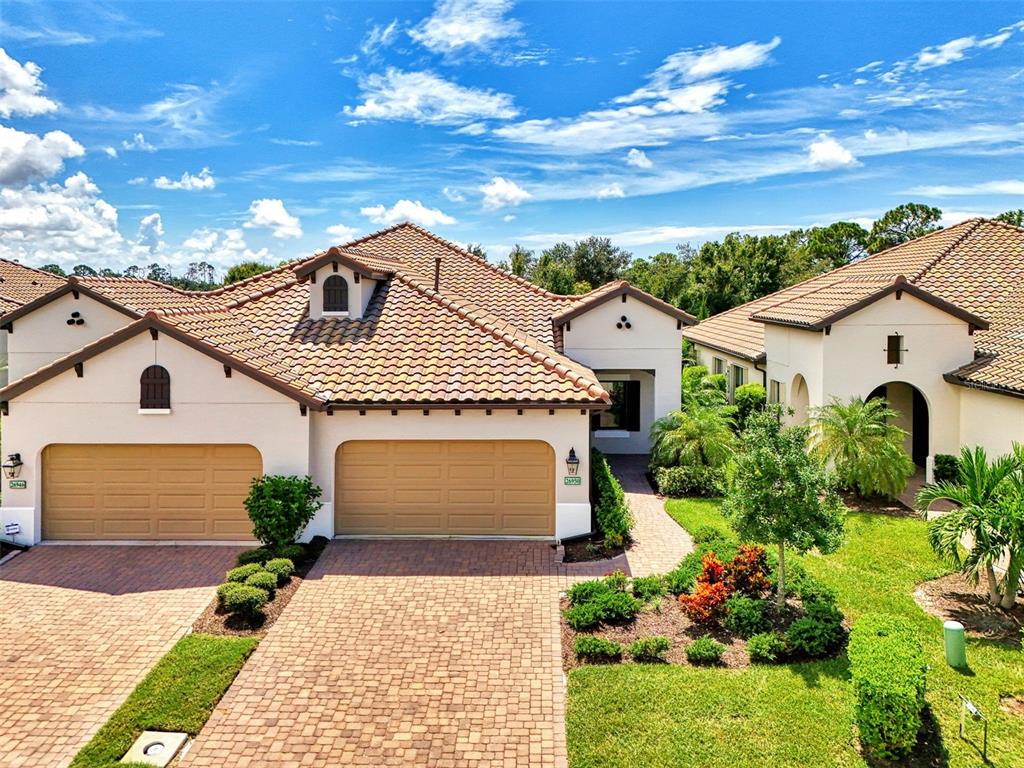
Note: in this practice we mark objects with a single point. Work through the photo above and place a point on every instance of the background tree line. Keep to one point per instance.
(718, 275)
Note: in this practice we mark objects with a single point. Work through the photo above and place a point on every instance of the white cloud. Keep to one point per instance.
(453, 194)
(26, 156)
(870, 66)
(296, 142)
(696, 64)
(611, 190)
(638, 158)
(110, 152)
(271, 214)
(1001, 187)
(379, 37)
(406, 210)
(473, 129)
(424, 97)
(137, 180)
(203, 180)
(508, 217)
(138, 141)
(21, 89)
(500, 192)
(955, 50)
(457, 24)
(827, 153)
(342, 232)
(151, 232)
(44, 35)
(220, 247)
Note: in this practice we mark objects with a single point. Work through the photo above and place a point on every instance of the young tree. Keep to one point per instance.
(782, 495)
(1009, 526)
(980, 495)
(904, 222)
(863, 445)
(244, 271)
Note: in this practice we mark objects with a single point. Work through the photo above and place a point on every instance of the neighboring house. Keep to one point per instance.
(426, 391)
(18, 286)
(935, 324)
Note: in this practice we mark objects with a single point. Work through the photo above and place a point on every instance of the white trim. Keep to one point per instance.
(154, 411)
(336, 314)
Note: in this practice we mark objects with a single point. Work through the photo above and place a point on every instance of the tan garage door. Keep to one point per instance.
(147, 491)
(470, 487)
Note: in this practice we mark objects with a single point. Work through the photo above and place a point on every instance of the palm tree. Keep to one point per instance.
(858, 438)
(695, 434)
(980, 494)
(1008, 524)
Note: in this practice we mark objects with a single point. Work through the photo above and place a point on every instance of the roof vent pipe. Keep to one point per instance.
(437, 273)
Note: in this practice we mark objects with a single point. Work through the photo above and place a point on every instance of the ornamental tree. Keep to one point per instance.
(280, 506)
(780, 495)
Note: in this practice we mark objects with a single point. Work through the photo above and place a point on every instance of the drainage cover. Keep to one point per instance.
(155, 748)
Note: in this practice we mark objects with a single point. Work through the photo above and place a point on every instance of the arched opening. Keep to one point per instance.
(912, 409)
(799, 399)
(155, 389)
(335, 294)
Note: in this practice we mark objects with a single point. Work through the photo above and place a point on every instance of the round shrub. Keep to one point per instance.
(704, 533)
(242, 572)
(265, 581)
(260, 555)
(583, 616)
(650, 649)
(294, 552)
(818, 632)
(587, 591)
(617, 580)
(223, 591)
(648, 588)
(704, 650)
(813, 591)
(766, 648)
(617, 606)
(281, 567)
(690, 480)
(280, 506)
(745, 616)
(245, 600)
(596, 648)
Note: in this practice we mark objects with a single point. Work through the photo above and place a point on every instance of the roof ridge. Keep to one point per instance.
(244, 299)
(535, 350)
(1004, 224)
(968, 231)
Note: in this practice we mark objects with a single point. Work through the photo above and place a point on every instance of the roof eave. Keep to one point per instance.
(953, 378)
(355, 405)
(625, 289)
(334, 254)
(758, 358)
(72, 286)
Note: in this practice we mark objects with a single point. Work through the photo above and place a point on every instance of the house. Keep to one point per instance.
(18, 286)
(426, 392)
(936, 325)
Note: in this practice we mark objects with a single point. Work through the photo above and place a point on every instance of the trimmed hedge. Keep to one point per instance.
(597, 648)
(265, 581)
(650, 649)
(887, 668)
(614, 520)
(690, 480)
(704, 650)
(766, 648)
(281, 567)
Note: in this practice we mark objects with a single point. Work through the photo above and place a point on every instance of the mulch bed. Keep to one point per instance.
(668, 619)
(879, 505)
(216, 622)
(588, 550)
(954, 598)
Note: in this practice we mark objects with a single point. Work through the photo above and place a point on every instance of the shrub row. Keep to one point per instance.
(248, 588)
(607, 599)
(646, 649)
(887, 667)
(690, 480)
(614, 521)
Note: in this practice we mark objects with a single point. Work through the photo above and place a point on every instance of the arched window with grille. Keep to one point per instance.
(156, 389)
(335, 294)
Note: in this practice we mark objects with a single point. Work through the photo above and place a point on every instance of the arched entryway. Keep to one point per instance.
(799, 399)
(909, 402)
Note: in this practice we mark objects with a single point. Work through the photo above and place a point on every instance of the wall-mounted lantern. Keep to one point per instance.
(572, 464)
(12, 467)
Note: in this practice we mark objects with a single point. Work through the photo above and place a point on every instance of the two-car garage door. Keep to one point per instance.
(147, 491)
(445, 487)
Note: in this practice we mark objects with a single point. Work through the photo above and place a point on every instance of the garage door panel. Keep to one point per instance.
(147, 491)
(446, 487)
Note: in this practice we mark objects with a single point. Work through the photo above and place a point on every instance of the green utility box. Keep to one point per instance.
(956, 644)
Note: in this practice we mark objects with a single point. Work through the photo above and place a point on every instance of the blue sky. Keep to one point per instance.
(171, 133)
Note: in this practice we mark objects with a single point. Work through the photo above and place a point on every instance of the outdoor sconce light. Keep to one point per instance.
(12, 467)
(572, 464)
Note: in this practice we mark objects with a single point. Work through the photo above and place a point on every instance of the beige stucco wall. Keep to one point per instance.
(563, 430)
(653, 344)
(990, 420)
(791, 354)
(42, 336)
(103, 407)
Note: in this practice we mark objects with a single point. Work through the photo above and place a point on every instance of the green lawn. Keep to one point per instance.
(796, 714)
(178, 694)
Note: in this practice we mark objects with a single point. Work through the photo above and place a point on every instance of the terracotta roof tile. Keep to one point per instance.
(977, 266)
(20, 284)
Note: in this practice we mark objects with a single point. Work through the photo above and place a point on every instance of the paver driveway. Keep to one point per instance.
(411, 653)
(80, 627)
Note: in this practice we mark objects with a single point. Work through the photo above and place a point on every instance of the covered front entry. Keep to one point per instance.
(445, 487)
(174, 492)
(909, 403)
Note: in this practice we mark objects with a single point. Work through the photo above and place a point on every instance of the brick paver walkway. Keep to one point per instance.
(406, 653)
(79, 628)
(659, 542)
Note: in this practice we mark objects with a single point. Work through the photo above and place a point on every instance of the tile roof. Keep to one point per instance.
(976, 266)
(20, 284)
